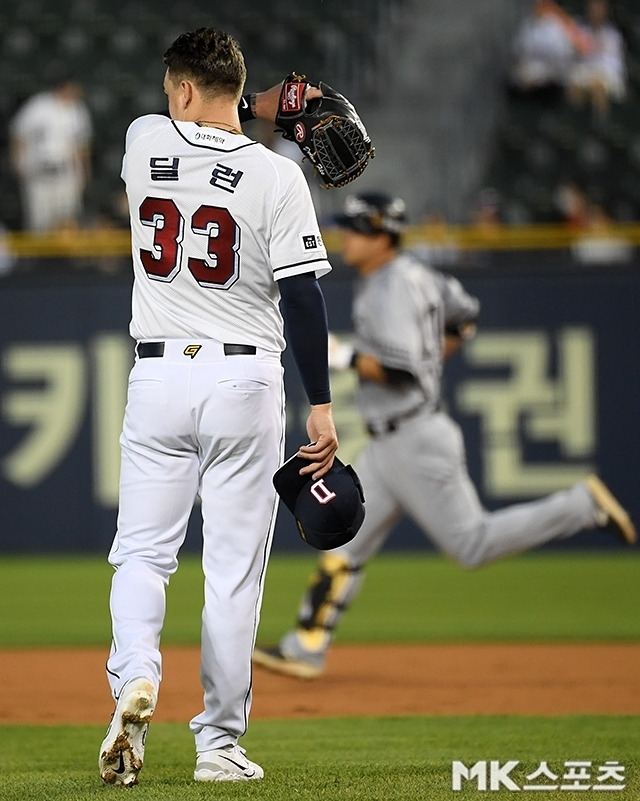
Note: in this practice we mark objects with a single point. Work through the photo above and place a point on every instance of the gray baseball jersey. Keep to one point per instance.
(398, 316)
(415, 462)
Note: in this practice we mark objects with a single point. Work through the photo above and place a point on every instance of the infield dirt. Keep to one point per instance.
(69, 686)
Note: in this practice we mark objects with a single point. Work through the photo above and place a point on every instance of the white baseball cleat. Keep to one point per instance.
(122, 750)
(612, 513)
(228, 764)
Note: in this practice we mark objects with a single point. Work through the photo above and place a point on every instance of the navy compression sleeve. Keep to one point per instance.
(305, 318)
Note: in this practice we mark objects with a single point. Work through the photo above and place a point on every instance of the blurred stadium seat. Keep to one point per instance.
(115, 49)
(543, 141)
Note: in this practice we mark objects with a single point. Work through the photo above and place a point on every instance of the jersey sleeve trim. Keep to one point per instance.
(287, 270)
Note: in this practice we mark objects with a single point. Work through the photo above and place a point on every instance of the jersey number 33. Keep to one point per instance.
(219, 270)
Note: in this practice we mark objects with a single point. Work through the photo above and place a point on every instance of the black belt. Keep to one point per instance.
(390, 425)
(239, 350)
(155, 350)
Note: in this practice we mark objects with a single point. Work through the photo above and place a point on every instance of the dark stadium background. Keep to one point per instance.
(429, 82)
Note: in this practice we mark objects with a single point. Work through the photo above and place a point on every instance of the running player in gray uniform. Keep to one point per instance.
(407, 319)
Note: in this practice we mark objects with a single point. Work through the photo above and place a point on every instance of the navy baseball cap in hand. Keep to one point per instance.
(329, 511)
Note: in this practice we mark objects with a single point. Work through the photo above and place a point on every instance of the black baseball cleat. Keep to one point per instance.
(613, 516)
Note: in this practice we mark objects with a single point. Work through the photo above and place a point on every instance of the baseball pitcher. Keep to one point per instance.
(226, 255)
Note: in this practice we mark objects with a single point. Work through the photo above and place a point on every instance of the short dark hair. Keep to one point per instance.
(212, 59)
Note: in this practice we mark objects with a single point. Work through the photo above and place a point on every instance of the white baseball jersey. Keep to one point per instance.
(51, 131)
(217, 219)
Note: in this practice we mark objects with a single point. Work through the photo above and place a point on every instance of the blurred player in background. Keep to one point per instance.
(407, 320)
(51, 155)
(225, 244)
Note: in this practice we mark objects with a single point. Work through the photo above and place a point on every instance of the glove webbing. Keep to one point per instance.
(337, 141)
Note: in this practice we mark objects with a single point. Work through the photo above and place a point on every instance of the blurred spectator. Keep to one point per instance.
(599, 76)
(573, 205)
(487, 216)
(597, 241)
(601, 243)
(543, 50)
(50, 153)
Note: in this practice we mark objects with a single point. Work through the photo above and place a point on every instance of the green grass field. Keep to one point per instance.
(396, 759)
(406, 598)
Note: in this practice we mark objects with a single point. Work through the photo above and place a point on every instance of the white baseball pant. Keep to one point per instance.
(197, 424)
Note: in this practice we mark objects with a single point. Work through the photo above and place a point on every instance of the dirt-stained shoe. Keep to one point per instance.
(228, 764)
(613, 515)
(122, 750)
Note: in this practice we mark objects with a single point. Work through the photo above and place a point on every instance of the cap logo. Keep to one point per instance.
(321, 492)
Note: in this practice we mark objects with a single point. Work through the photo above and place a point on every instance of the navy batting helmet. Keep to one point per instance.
(373, 213)
(329, 511)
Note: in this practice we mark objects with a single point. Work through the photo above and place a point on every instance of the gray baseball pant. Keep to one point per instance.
(420, 471)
